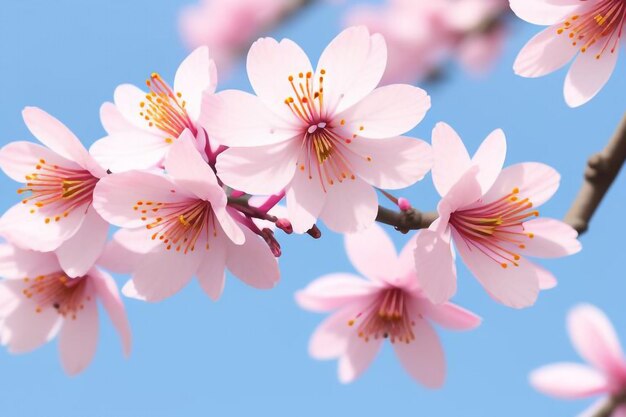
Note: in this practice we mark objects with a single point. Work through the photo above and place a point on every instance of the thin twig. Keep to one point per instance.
(602, 169)
(405, 221)
(609, 407)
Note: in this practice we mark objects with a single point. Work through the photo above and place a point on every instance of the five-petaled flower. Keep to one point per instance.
(491, 215)
(325, 136)
(389, 305)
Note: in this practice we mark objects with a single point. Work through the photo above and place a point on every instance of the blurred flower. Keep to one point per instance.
(325, 137)
(56, 213)
(176, 227)
(422, 35)
(388, 305)
(594, 338)
(142, 126)
(593, 28)
(490, 214)
(38, 301)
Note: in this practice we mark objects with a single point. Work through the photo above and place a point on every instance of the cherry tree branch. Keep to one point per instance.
(405, 221)
(609, 407)
(602, 169)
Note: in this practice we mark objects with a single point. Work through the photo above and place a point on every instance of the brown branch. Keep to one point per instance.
(610, 406)
(405, 221)
(602, 169)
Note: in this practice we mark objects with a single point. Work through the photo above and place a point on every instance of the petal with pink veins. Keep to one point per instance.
(373, 254)
(423, 357)
(551, 238)
(490, 158)
(569, 380)
(357, 357)
(448, 315)
(350, 206)
(196, 75)
(16, 263)
(546, 52)
(129, 149)
(588, 74)
(388, 111)
(19, 160)
(434, 263)
(544, 12)
(112, 120)
(211, 274)
(253, 262)
(334, 291)
(305, 199)
(451, 158)
(330, 339)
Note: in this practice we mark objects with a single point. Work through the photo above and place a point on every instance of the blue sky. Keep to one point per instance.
(247, 354)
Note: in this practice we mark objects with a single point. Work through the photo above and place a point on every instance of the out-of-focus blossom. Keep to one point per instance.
(325, 137)
(55, 213)
(143, 126)
(587, 31)
(490, 214)
(423, 34)
(38, 301)
(595, 340)
(178, 226)
(388, 305)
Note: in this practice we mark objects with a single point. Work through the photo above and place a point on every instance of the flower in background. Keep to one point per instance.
(490, 213)
(594, 338)
(587, 31)
(388, 305)
(39, 301)
(179, 226)
(55, 213)
(142, 126)
(326, 137)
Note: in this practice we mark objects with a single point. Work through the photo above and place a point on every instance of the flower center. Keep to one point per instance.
(165, 109)
(388, 317)
(58, 190)
(179, 225)
(605, 21)
(496, 229)
(58, 291)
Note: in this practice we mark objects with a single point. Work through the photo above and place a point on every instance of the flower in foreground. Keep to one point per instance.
(178, 226)
(491, 215)
(388, 305)
(39, 301)
(142, 126)
(55, 213)
(325, 136)
(594, 338)
(589, 30)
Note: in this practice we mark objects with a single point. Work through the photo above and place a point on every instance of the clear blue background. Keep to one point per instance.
(247, 354)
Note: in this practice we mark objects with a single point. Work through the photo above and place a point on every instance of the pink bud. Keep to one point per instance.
(404, 204)
(284, 225)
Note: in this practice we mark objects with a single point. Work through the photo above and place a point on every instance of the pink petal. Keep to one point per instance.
(127, 99)
(125, 250)
(56, 136)
(515, 286)
(78, 339)
(547, 281)
(350, 206)
(330, 339)
(110, 298)
(262, 170)
(448, 315)
(253, 262)
(619, 411)
(354, 63)
(423, 358)
(16, 263)
(211, 274)
(231, 228)
(358, 355)
(235, 118)
(112, 120)
(305, 200)
(451, 159)
(588, 74)
(130, 149)
(20, 159)
(79, 253)
(489, 158)
(434, 263)
(334, 291)
(196, 75)
(551, 238)
(546, 52)
(568, 380)
(270, 64)
(395, 163)
(373, 254)
(386, 112)
(544, 12)
(595, 340)
(535, 181)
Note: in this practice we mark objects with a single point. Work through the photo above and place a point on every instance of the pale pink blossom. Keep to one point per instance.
(587, 31)
(142, 126)
(55, 213)
(595, 340)
(490, 214)
(387, 305)
(178, 226)
(39, 301)
(325, 137)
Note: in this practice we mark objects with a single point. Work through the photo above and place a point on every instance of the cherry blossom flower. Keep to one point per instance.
(39, 301)
(142, 126)
(325, 137)
(388, 305)
(589, 32)
(55, 213)
(595, 340)
(491, 215)
(176, 227)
